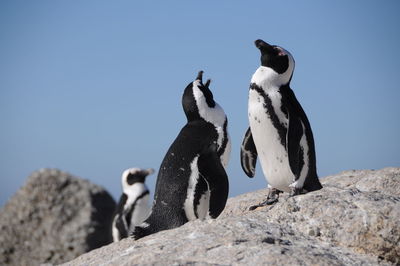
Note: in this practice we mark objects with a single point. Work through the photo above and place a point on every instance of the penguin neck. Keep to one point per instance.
(134, 191)
(214, 115)
(266, 78)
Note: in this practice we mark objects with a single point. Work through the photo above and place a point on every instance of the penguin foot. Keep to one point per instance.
(272, 198)
(263, 204)
(297, 191)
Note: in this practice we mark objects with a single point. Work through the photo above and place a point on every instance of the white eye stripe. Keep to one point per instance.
(215, 115)
(266, 77)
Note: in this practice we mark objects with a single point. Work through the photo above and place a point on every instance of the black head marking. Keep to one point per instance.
(138, 176)
(272, 56)
(206, 90)
(135, 178)
(189, 102)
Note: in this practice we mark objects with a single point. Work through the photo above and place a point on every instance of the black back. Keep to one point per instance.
(196, 139)
(174, 173)
(297, 114)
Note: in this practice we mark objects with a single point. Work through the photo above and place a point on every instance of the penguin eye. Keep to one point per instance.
(130, 179)
(279, 51)
(135, 178)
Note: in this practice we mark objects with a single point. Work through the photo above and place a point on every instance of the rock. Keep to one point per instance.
(232, 240)
(54, 218)
(345, 223)
(385, 181)
(355, 209)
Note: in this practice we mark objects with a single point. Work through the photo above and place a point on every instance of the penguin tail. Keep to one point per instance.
(313, 185)
(141, 231)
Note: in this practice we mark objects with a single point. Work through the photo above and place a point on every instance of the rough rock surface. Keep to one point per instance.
(353, 220)
(355, 209)
(54, 218)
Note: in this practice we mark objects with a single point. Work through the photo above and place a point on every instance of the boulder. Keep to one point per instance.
(54, 218)
(355, 209)
(353, 220)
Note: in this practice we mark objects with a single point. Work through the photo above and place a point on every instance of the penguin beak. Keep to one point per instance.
(150, 171)
(200, 76)
(207, 83)
(263, 46)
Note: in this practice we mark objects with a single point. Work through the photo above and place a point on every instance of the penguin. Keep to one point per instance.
(192, 182)
(133, 206)
(279, 132)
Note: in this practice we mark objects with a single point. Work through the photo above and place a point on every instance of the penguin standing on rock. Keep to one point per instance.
(279, 133)
(192, 182)
(133, 205)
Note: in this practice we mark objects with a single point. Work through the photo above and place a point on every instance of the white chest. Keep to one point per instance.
(141, 212)
(272, 154)
(142, 208)
(189, 204)
(227, 149)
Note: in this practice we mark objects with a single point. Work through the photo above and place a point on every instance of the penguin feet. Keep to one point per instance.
(272, 197)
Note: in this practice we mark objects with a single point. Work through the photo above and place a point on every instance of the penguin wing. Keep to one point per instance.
(211, 169)
(248, 154)
(120, 217)
(294, 133)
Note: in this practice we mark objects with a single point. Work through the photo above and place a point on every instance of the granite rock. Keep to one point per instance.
(351, 221)
(232, 240)
(54, 218)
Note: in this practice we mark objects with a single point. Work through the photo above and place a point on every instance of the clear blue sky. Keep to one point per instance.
(94, 87)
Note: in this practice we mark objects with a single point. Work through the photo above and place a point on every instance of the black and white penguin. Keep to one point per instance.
(133, 207)
(192, 182)
(279, 133)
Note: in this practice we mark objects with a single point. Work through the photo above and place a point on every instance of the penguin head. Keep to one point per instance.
(198, 102)
(276, 59)
(133, 176)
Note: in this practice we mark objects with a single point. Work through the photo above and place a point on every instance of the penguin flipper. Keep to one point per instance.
(294, 134)
(295, 130)
(211, 169)
(120, 218)
(248, 154)
(159, 220)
